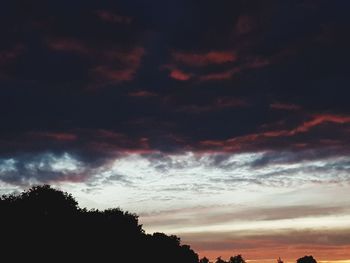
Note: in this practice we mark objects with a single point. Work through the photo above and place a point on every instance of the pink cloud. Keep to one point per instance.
(204, 59)
(229, 73)
(268, 138)
(319, 119)
(179, 75)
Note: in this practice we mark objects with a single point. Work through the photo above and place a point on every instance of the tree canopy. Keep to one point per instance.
(45, 224)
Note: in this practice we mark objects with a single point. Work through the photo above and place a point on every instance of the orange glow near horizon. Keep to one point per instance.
(289, 254)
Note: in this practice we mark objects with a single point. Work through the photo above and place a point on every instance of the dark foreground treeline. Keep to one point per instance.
(46, 225)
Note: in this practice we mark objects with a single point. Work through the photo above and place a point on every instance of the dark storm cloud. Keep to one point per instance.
(99, 78)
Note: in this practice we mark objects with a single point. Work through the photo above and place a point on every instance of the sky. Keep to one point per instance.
(224, 122)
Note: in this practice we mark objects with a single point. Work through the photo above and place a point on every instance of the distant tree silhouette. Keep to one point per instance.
(220, 260)
(236, 259)
(279, 260)
(306, 259)
(204, 260)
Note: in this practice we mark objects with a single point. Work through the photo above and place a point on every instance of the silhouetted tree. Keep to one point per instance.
(236, 259)
(204, 260)
(45, 224)
(279, 260)
(220, 260)
(306, 259)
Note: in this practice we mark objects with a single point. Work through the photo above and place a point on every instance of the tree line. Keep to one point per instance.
(44, 224)
(240, 259)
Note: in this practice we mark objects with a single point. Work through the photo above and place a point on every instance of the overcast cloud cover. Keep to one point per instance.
(226, 122)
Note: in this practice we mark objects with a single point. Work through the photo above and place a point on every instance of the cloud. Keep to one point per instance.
(298, 136)
(142, 94)
(225, 75)
(117, 75)
(207, 216)
(107, 65)
(42, 168)
(129, 61)
(179, 75)
(252, 63)
(58, 136)
(319, 119)
(216, 105)
(285, 106)
(204, 59)
(68, 45)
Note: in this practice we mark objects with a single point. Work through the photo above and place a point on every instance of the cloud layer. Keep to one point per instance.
(154, 104)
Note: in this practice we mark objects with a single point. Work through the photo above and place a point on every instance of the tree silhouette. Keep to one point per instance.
(306, 259)
(220, 260)
(44, 224)
(236, 259)
(204, 260)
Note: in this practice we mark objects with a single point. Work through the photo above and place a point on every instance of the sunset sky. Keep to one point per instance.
(224, 122)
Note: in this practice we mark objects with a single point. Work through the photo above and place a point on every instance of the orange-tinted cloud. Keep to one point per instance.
(204, 59)
(179, 75)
